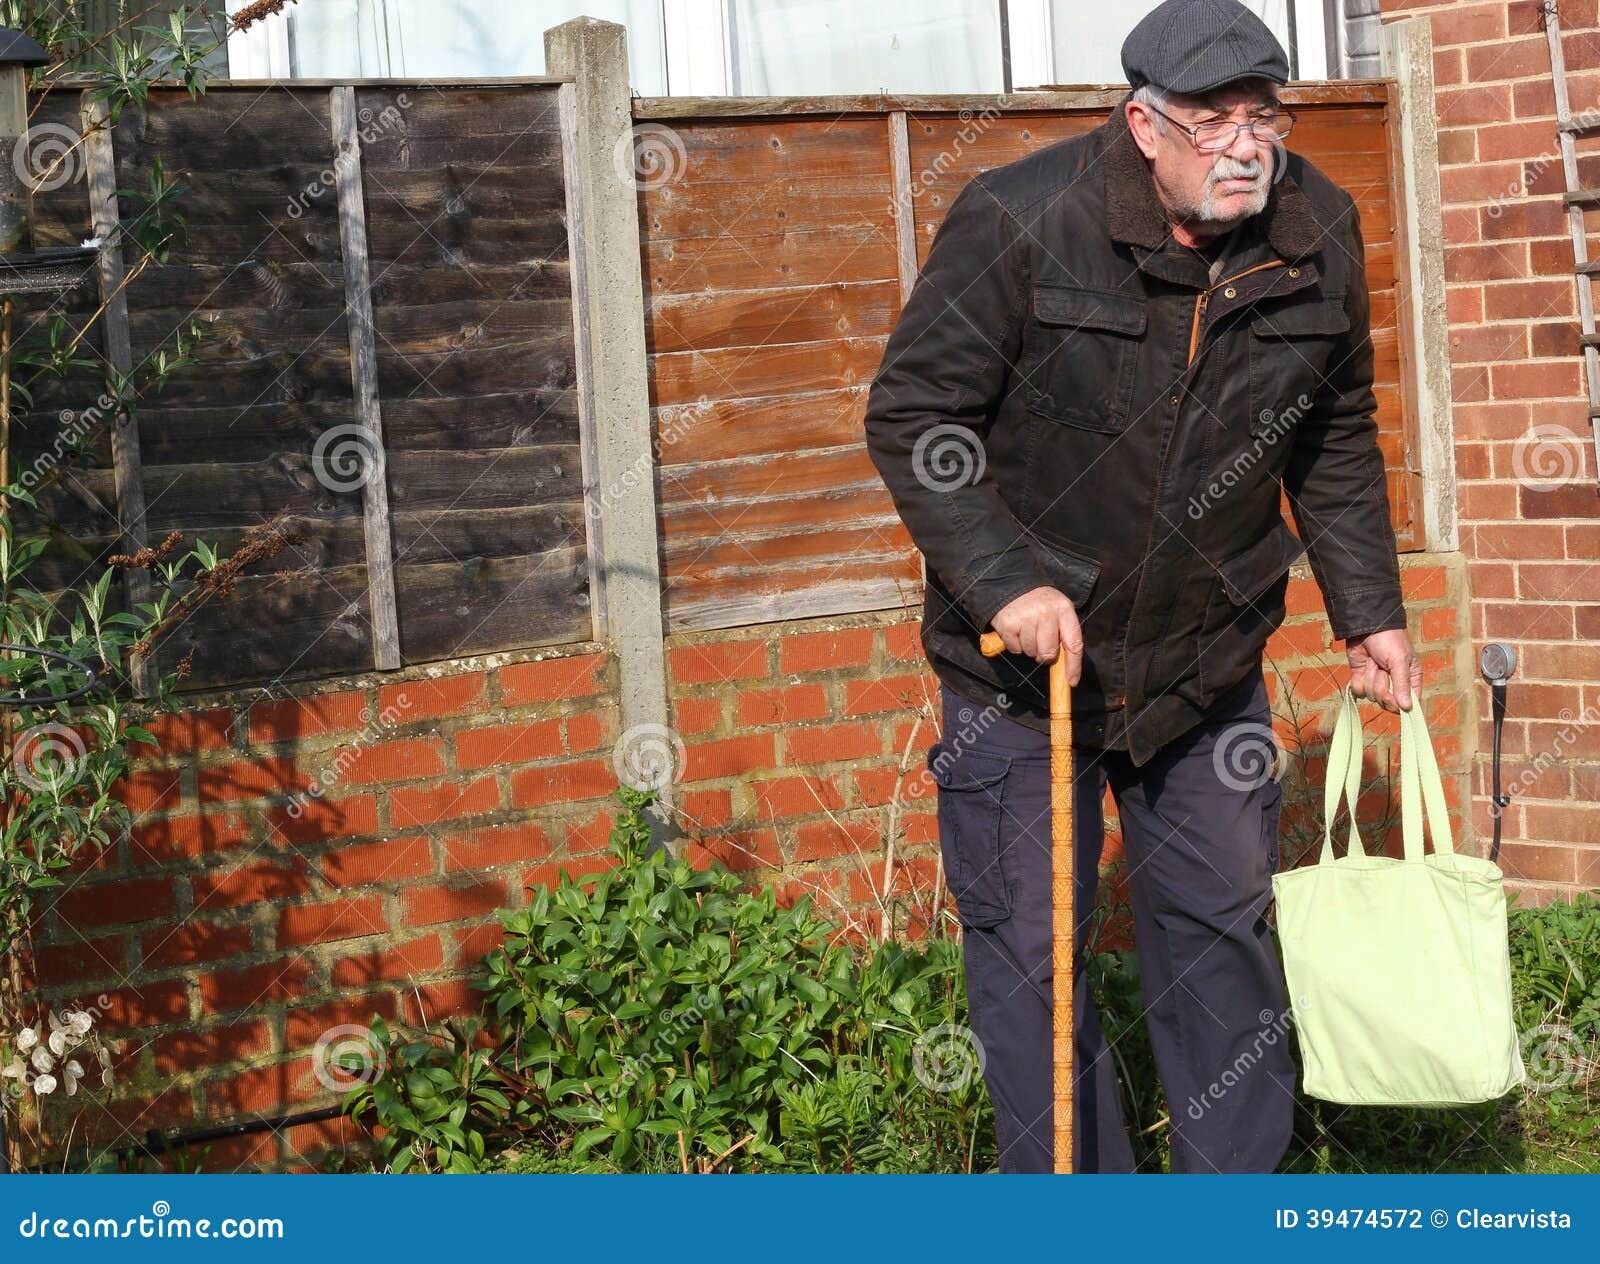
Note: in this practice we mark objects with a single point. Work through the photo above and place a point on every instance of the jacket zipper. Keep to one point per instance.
(1200, 303)
(1202, 299)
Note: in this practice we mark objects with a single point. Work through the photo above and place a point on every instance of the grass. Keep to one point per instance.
(1550, 1124)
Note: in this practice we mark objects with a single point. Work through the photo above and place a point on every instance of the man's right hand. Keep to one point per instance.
(1040, 623)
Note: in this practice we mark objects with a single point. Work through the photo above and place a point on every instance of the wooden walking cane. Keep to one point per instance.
(1061, 936)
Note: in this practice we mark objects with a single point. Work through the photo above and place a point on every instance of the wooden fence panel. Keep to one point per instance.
(472, 298)
(261, 271)
(771, 283)
(774, 263)
(467, 367)
(77, 498)
(771, 268)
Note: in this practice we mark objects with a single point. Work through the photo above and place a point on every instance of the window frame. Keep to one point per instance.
(699, 53)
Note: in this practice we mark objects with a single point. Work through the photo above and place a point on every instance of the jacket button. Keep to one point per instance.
(1230, 292)
(1294, 272)
(1174, 401)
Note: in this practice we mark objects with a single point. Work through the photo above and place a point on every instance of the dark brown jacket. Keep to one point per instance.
(1066, 400)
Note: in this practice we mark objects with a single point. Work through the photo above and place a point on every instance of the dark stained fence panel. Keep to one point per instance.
(464, 202)
(472, 302)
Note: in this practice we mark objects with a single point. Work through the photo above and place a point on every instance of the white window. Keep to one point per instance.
(823, 47)
(435, 39)
(740, 47)
(1086, 38)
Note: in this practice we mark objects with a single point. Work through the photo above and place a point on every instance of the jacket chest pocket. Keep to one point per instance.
(1291, 353)
(1087, 344)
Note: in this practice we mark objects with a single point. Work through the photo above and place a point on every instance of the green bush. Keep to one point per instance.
(658, 1017)
(1555, 966)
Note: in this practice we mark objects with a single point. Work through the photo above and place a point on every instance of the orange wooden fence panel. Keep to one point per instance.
(772, 280)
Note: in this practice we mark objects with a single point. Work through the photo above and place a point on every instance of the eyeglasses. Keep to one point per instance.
(1219, 134)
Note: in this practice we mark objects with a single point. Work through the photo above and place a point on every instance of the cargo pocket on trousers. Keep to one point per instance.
(970, 809)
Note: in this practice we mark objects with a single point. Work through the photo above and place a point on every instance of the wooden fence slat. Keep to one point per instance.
(905, 226)
(364, 376)
(905, 221)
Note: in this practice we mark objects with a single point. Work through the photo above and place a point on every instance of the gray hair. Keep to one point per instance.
(1156, 98)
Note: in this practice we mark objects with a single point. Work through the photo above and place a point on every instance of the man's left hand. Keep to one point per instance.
(1385, 668)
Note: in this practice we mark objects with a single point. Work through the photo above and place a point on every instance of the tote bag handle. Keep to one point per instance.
(1343, 779)
(1420, 785)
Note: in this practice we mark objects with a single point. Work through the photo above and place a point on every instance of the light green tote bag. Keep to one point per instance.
(1399, 971)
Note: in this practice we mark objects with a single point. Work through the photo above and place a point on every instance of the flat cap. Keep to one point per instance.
(1193, 46)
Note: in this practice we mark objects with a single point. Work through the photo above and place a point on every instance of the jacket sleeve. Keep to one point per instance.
(932, 401)
(1335, 478)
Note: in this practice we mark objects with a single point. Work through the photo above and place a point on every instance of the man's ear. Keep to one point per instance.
(1143, 127)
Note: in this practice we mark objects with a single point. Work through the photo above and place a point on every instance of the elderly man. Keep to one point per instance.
(1121, 349)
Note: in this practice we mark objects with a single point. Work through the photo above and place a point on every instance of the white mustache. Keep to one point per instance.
(1233, 169)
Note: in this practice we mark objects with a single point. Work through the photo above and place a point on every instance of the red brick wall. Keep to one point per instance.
(243, 919)
(306, 862)
(1527, 501)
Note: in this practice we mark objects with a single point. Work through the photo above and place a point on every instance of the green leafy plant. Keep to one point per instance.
(659, 1017)
(1555, 959)
(439, 1097)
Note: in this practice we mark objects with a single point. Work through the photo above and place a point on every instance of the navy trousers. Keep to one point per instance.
(1200, 839)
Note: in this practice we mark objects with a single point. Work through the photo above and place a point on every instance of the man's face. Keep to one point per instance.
(1210, 192)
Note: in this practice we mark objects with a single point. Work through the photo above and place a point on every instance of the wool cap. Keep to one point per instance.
(1193, 46)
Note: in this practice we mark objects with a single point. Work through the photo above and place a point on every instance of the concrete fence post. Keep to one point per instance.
(1407, 52)
(613, 387)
